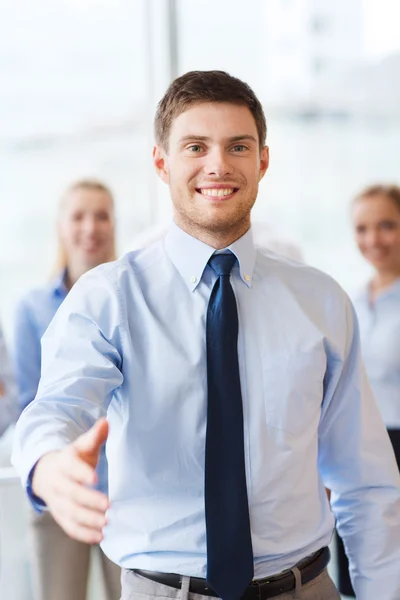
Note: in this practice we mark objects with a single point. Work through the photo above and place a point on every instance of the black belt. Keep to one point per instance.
(258, 589)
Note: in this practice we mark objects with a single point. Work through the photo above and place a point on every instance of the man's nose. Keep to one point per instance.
(218, 163)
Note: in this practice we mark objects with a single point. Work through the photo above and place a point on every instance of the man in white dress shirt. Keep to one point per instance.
(202, 338)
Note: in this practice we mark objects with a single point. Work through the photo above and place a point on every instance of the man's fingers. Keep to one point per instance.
(88, 445)
(79, 495)
(90, 518)
(81, 515)
(76, 469)
(80, 511)
(79, 532)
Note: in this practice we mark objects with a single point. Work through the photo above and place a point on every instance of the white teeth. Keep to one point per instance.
(217, 191)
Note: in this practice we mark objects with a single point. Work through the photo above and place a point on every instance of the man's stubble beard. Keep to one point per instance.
(191, 221)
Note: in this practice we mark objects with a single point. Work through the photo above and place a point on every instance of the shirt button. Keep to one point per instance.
(247, 277)
(193, 279)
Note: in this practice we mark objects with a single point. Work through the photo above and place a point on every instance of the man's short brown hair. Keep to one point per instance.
(197, 87)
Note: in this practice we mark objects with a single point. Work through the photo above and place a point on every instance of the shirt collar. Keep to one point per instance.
(364, 294)
(58, 285)
(190, 256)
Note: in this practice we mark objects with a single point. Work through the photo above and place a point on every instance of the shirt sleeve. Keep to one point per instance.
(8, 393)
(26, 353)
(81, 369)
(357, 463)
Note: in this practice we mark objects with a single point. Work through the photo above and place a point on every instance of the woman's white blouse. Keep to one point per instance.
(380, 342)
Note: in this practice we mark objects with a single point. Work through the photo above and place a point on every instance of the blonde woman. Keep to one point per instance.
(86, 232)
(376, 223)
(376, 220)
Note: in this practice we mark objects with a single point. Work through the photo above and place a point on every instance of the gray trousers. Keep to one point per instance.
(135, 587)
(60, 565)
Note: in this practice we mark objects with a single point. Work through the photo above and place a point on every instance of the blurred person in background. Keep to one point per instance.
(376, 221)
(8, 396)
(86, 233)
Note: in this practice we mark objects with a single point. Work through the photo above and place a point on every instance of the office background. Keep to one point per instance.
(79, 83)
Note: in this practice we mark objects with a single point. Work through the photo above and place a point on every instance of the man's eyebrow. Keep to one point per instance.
(243, 138)
(204, 138)
(191, 137)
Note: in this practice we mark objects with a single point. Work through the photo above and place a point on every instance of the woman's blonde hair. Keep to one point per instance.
(82, 184)
(390, 191)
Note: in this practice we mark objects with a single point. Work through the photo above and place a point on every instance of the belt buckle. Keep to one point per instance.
(256, 587)
(272, 579)
(260, 584)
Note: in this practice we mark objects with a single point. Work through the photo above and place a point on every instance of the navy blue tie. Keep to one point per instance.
(229, 549)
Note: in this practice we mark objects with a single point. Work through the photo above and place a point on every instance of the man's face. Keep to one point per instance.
(213, 167)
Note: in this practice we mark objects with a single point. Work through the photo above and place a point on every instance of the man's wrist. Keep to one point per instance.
(34, 487)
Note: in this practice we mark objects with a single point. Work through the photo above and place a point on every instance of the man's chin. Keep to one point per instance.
(219, 223)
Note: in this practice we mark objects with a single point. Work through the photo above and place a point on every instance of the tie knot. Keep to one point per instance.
(222, 263)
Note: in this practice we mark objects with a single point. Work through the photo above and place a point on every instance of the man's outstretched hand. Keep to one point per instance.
(63, 480)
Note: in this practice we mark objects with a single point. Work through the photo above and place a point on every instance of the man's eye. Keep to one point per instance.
(239, 148)
(195, 148)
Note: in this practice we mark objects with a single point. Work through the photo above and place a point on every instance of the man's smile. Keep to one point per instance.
(217, 191)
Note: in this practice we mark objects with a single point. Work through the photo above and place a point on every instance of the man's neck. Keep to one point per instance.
(217, 239)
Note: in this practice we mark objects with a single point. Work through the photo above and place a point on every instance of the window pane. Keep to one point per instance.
(73, 104)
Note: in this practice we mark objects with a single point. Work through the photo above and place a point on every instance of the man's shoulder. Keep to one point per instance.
(296, 274)
(130, 264)
(141, 259)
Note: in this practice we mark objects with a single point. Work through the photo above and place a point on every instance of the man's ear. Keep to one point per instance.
(160, 163)
(264, 161)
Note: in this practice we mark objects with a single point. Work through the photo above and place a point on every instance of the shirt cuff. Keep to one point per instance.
(35, 501)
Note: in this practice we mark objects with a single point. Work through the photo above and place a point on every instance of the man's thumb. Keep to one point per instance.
(88, 445)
